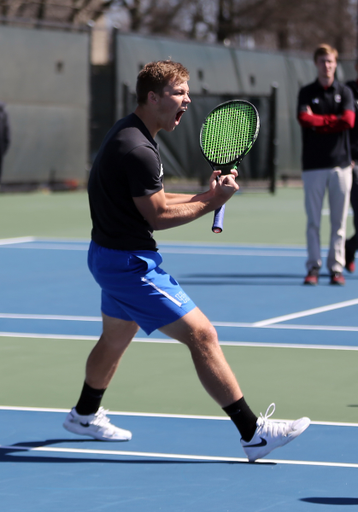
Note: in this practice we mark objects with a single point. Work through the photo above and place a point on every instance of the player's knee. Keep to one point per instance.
(205, 337)
(118, 336)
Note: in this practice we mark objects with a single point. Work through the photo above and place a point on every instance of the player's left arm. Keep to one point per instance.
(162, 215)
(178, 198)
(172, 199)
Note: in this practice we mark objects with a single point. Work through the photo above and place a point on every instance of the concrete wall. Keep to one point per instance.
(45, 85)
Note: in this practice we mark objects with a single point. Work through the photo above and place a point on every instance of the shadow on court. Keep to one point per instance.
(331, 501)
(256, 279)
(7, 452)
(243, 279)
(244, 276)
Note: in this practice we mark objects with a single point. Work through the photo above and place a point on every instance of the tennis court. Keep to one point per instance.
(289, 344)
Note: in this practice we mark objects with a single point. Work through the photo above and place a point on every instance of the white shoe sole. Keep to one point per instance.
(119, 434)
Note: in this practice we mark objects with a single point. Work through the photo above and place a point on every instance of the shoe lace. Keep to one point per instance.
(274, 428)
(268, 414)
(100, 419)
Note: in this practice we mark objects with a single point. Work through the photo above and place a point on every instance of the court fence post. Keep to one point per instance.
(273, 142)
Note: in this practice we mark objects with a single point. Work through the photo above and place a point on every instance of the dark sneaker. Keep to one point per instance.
(338, 278)
(312, 277)
(96, 425)
(272, 434)
(350, 266)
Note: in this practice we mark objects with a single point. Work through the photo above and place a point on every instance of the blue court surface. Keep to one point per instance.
(254, 296)
(176, 464)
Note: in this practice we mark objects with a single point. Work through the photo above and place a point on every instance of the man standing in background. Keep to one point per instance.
(352, 243)
(326, 114)
(4, 134)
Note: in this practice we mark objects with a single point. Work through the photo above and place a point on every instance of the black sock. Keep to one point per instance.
(243, 417)
(90, 400)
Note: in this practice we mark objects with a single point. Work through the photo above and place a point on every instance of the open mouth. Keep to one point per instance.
(179, 115)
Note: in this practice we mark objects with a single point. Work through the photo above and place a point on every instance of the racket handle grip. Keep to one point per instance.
(218, 219)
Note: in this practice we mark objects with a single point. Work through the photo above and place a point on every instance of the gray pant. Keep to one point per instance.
(338, 182)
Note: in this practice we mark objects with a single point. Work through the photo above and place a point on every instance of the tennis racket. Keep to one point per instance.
(226, 136)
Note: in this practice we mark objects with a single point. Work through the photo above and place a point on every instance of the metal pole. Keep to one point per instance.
(272, 139)
(357, 33)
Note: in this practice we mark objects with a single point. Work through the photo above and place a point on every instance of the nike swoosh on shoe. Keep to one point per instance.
(263, 443)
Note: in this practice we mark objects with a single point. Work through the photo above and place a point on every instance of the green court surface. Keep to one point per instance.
(160, 378)
(250, 218)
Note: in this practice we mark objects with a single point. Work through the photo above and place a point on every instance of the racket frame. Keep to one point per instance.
(235, 162)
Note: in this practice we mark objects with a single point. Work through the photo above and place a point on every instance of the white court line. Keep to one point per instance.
(49, 336)
(177, 456)
(38, 244)
(307, 312)
(256, 325)
(233, 252)
(21, 316)
(341, 328)
(253, 344)
(53, 247)
(161, 415)
(18, 240)
(165, 250)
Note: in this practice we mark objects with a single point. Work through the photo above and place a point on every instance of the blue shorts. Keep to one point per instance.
(134, 288)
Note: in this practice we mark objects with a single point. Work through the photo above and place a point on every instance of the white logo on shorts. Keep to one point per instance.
(182, 297)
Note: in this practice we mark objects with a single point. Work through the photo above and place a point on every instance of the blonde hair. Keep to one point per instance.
(156, 75)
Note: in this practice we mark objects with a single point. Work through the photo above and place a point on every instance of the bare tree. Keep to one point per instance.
(63, 11)
(289, 25)
(272, 24)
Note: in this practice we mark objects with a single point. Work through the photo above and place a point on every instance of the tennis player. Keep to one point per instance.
(127, 203)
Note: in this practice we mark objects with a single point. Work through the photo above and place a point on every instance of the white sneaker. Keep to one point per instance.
(272, 434)
(95, 425)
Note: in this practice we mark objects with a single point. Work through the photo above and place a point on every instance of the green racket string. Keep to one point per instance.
(229, 132)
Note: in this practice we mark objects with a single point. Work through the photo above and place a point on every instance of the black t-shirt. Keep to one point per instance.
(127, 165)
(353, 85)
(325, 150)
